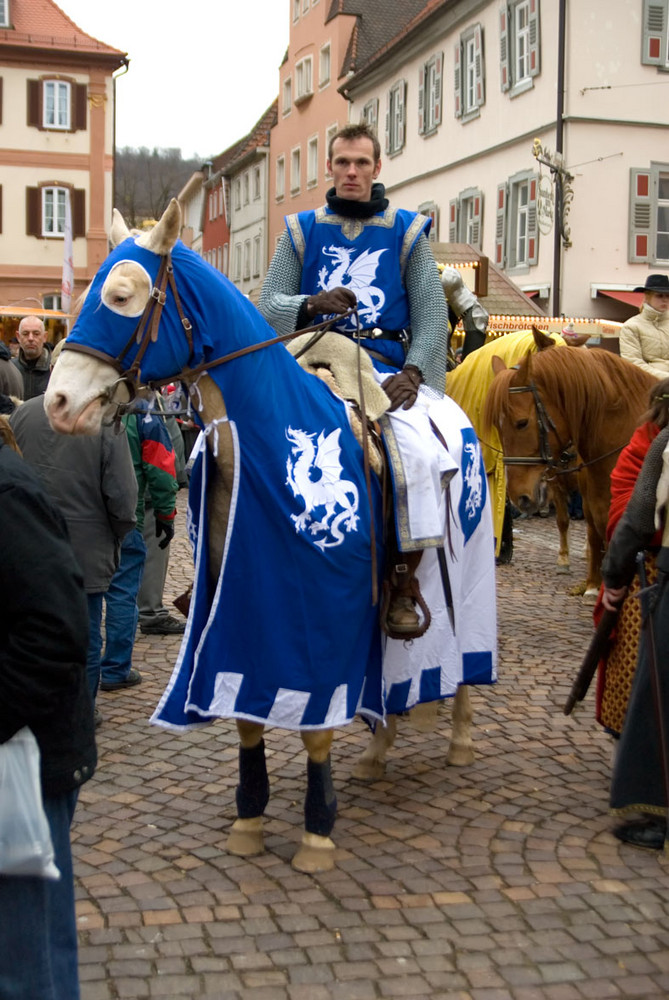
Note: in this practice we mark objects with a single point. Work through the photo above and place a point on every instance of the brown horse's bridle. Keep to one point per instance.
(147, 332)
(545, 424)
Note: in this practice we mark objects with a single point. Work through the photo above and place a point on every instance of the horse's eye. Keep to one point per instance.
(120, 299)
(521, 424)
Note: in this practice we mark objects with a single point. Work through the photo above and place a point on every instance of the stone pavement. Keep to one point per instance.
(500, 881)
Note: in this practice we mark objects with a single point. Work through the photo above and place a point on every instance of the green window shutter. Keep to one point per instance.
(535, 39)
(453, 221)
(654, 35)
(500, 226)
(532, 222)
(457, 79)
(421, 99)
(504, 60)
(438, 76)
(640, 217)
(477, 219)
(479, 69)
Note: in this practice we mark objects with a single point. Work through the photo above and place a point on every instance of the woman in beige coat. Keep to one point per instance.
(644, 339)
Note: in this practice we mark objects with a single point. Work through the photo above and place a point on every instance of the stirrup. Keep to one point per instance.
(409, 591)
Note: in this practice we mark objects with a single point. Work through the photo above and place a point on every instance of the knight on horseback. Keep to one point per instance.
(357, 252)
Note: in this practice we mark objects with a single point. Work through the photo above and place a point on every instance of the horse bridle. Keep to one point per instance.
(147, 331)
(545, 424)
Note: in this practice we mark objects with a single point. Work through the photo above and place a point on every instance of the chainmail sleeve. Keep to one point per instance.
(280, 298)
(636, 527)
(429, 318)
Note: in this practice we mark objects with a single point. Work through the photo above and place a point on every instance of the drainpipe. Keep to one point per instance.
(559, 148)
(124, 70)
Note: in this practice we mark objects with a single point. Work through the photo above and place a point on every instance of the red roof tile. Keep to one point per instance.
(41, 24)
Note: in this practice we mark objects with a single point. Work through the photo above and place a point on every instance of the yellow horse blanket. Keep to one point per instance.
(468, 385)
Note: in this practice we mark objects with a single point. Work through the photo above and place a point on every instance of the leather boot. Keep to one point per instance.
(402, 616)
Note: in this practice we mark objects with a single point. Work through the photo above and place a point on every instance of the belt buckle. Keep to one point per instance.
(376, 332)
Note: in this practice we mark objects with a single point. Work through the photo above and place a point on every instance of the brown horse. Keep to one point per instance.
(565, 414)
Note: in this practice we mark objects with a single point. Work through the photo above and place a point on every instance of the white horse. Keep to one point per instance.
(282, 631)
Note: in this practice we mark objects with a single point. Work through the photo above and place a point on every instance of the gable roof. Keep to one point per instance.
(42, 25)
(377, 22)
(228, 160)
(504, 298)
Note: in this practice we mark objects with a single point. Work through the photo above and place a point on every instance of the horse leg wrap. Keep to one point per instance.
(253, 787)
(320, 804)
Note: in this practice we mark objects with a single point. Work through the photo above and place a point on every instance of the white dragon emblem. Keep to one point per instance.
(356, 273)
(473, 479)
(315, 476)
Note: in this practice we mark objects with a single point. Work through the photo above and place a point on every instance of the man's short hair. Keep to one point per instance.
(360, 131)
(38, 318)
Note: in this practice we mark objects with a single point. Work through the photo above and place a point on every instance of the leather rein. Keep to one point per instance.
(146, 332)
(545, 424)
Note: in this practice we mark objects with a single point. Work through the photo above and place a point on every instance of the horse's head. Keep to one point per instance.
(105, 340)
(531, 426)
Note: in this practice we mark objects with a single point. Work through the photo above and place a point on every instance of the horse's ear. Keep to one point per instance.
(119, 230)
(497, 365)
(541, 340)
(165, 233)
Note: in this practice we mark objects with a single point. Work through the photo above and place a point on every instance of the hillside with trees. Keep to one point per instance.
(146, 179)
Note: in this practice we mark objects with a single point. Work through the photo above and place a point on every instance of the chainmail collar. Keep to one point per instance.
(358, 209)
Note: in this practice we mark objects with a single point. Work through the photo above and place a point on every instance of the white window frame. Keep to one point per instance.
(257, 187)
(237, 267)
(395, 118)
(296, 10)
(521, 218)
(54, 199)
(225, 263)
(370, 114)
(238, 194)
(57, 104)
(287, 96)
(520, 45)
(53, 300)
(295, 170)
(256, 256)
(305, 6)
(246, 185)
(246, 273)
(430, 85)
(304, 79)
(4, 17)
(312, 161)
(468, 75)
(649, 214)
(280, 178)
(324, 66)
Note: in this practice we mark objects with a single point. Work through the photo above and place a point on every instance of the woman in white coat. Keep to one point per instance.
(644, 339)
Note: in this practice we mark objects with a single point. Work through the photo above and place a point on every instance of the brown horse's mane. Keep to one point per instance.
(591, 388)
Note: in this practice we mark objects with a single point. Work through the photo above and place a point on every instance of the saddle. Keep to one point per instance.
(335, 360)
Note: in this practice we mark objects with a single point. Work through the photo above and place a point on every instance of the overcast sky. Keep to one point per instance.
(201, 72)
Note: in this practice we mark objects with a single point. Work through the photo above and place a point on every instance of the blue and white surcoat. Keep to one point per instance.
(368, 256)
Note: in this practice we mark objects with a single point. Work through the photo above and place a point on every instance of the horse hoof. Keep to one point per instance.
(460, 756)
(246, 838)
(563, 569)
(315, 854)
(590, 597)
(369, 770)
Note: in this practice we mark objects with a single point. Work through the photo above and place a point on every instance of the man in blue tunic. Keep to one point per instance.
(358, 251)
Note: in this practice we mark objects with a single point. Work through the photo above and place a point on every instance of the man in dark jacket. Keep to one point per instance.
(43, 640)
(92, 482)
(34, 357)
(154, 462)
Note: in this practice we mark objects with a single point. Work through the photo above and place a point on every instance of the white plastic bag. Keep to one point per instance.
(25, 838)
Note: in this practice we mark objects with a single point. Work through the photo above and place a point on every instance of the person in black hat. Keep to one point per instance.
(644, 339)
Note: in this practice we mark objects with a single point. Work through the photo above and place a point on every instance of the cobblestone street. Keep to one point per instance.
(499, 881)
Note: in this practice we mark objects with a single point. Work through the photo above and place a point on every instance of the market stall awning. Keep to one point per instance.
(629, 298)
